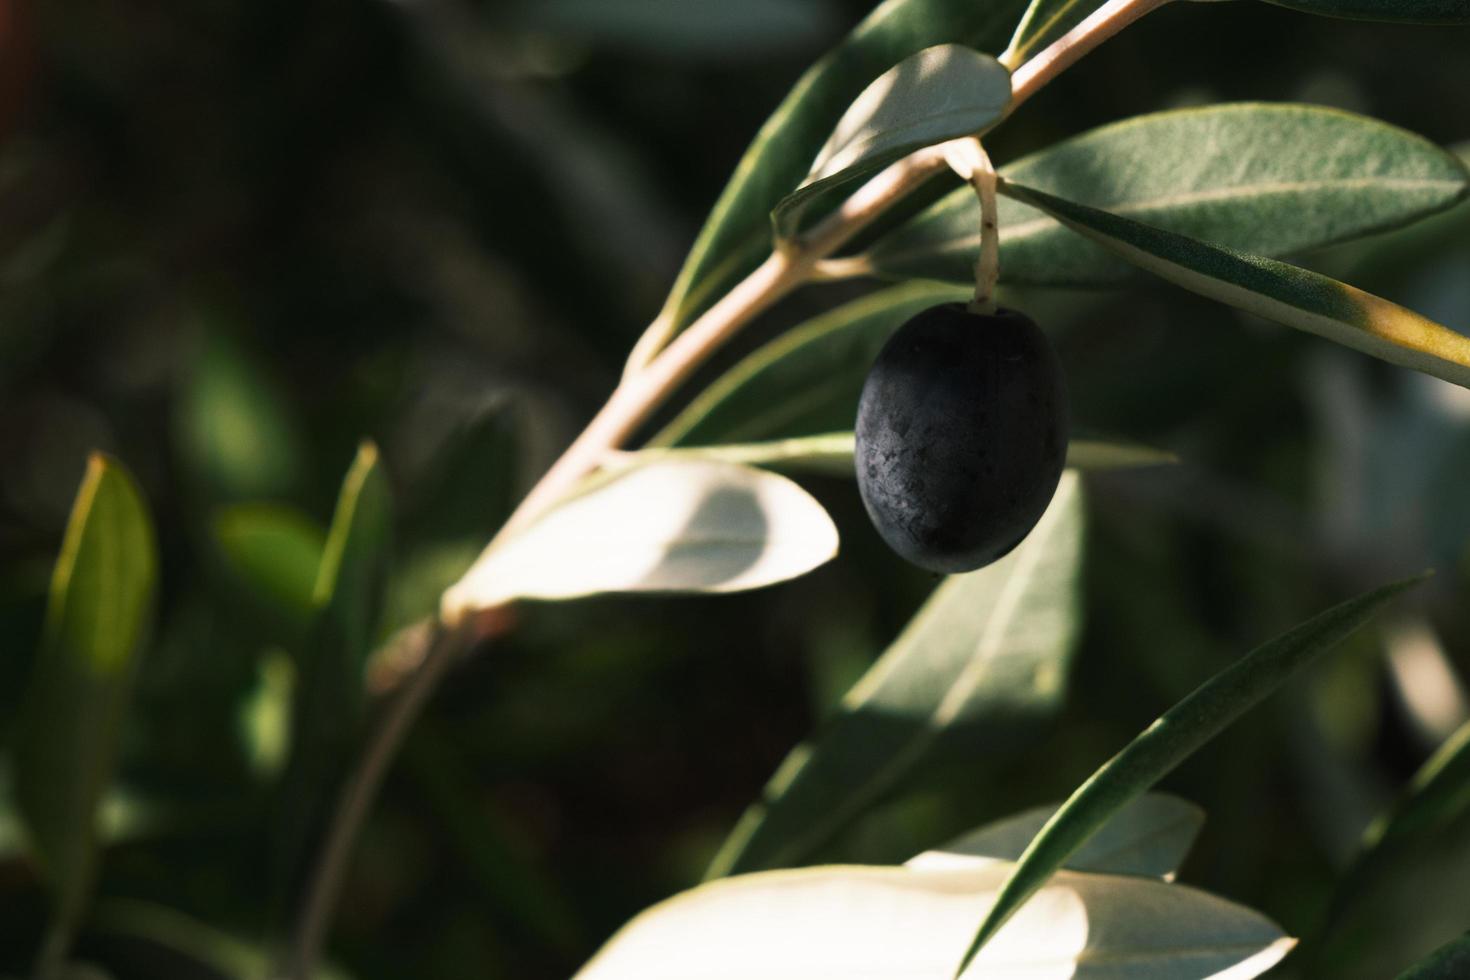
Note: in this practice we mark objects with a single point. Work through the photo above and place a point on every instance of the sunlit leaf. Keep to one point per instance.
(899, 922)
(1272, 179)
(670, 526)
(1404, 895)
(1176, 735)
(982, 662)
(737, 234)
(807, 380)
(1274, 290)
(1149, 836)
(936, 95)
(97, 618)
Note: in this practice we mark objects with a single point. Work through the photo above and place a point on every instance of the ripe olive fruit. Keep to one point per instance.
(961, 436)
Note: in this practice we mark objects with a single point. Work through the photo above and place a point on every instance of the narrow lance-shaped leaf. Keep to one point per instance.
(669, 526)
(1411, 11)
(982, 662)
(1274, 290)
(807, 380)
(939, 94)
(1450, 962)
(1044, 22)
(213, 953)
(832, 454)
(97, 617)
(329, 697)
(853, 921)
(1404, 895)
(1176, 735)
(1271, 179)
(1150, 836)
(273, 550)
(737, 234)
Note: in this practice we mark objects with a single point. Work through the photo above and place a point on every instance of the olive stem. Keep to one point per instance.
(1067, 50)
(655, 368)
(783, 271)
(969, 159)
(357, 795)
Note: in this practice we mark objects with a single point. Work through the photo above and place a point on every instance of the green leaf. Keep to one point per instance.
(1450, 962)
(274, 550)
(941, 93)
(1404, 895)
(1273, 290)
(330, 702)
(669, 526)
(156, 927)
(1169, 741)
(1273, 179)
(1044, 22)
(737, 234)
(1412, 11)
(235, 435)
(349, 582)
(980, 664)
(807, 380)
(899, 922)
(65, 745)
(831, 454)
(1149, 836)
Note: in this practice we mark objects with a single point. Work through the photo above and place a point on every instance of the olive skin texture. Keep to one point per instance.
(961, 436)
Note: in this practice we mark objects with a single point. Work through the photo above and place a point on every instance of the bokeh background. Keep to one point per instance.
(239, 236)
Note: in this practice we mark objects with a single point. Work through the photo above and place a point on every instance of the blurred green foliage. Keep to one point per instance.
(238, 237)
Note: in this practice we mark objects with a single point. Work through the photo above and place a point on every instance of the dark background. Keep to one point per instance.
(238, 236)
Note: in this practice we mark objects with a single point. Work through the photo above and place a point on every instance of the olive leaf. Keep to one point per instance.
(1150, 836)
(1274, 290)
(980, 664)
(273, 550)
(936, 95)
(850, 921)
(329, 698)
(1175, 736)
(1450, 962)
(1403, 896)
(1044, 22)
(831, 454)
(737, 234)
(98, 615)
(807, 380)
(1272, 179)
(668, 526)
(163, 931)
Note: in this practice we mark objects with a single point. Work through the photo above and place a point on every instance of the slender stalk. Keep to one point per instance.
(969, 159)
(1067, 50)
(641, 391)
(357, 797)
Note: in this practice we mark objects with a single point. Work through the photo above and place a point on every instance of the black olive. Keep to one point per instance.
(961, 436)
